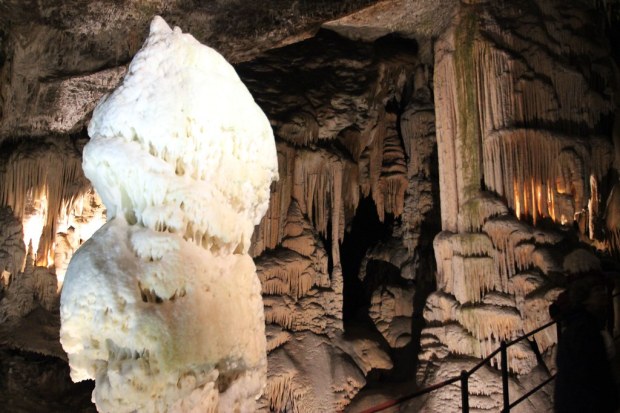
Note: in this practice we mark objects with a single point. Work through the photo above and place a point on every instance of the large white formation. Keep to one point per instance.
(162, 306)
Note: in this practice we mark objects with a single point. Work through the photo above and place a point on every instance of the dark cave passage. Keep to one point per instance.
(364, 232)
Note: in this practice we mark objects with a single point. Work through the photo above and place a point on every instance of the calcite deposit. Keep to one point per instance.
(445, 168)
(162, 306)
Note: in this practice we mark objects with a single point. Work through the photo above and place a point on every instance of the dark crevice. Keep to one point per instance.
(364, 232)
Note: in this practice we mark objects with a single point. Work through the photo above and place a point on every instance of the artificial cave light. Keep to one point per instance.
(543, 174)
(35, 216)
(37, 182)
(162, 306)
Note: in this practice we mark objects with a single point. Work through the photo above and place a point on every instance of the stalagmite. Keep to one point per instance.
(25, 291)
(162, 305)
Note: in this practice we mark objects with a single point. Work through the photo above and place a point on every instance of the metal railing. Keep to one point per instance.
(463, 378)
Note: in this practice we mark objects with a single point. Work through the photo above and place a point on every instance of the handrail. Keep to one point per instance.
(531, 333)
(529, 393)
(394, 402)
(464, 376)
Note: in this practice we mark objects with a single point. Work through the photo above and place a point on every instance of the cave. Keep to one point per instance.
(446, 169)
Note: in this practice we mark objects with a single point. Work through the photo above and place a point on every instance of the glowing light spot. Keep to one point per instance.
(34, 221)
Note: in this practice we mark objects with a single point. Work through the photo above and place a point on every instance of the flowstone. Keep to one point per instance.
(162, 306)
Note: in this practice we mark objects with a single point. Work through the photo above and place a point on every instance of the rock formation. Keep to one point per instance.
(162, 306)
(519, 144)
(444, 166)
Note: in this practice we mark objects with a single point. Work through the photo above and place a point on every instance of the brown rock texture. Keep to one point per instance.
(444, 166)
(521, 102)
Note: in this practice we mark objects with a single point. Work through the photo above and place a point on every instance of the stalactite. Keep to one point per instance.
(542, 174)
(389, 192)
(473, 276)
(269, 232)
(486, 321)
(515, 158)
(548, 93)
(508, 235)
(457, 339)
(374, 154)
(290, 274)
(464, 267)
(51, 171)
(472, 244)
(277, 313)
(495, 86)
(453, 338)
(283, 393)
(535, 311)
(538, 114)
(319, 188)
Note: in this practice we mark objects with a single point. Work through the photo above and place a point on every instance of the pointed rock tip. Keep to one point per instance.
(159, 25)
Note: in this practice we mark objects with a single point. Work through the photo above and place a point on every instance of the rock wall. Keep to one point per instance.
(522, 101)
(477, 159)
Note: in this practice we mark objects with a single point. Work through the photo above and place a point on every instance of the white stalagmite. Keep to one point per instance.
(162, 306)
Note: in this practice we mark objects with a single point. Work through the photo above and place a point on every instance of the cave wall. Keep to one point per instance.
(462, 147)
(523, 99)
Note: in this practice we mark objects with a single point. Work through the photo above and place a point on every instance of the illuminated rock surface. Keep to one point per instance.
(496, 118)
(162, 306)
(518, 144)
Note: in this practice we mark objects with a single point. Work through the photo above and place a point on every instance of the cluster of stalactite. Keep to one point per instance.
(41, 182)
(521, 142)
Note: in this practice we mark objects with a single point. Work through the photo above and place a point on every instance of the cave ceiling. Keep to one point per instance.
(58, 57)
(371, 103)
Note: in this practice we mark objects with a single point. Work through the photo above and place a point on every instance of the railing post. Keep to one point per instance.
(465, 391)
(504, 366)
